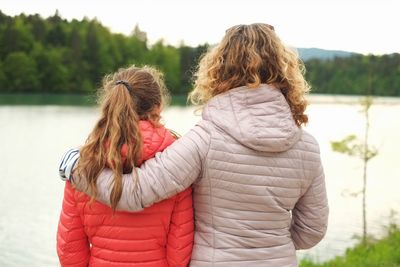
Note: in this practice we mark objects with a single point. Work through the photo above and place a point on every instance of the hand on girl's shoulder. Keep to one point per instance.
(67, 163)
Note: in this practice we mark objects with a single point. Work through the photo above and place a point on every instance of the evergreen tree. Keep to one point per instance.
(72, 57)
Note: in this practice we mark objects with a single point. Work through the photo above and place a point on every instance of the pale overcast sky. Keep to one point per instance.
(367, 26)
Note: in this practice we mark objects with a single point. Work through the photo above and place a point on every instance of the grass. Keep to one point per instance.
(375, 253)
(64, 99)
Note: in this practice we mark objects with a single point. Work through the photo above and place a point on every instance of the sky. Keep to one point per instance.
(367, 27)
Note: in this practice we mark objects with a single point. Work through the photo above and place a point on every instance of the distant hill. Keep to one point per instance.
(318, 53)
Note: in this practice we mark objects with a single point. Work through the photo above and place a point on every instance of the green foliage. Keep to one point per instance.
(73, 56)
(382, 253)
(352, 146)
(54, 55)
(65, 99)
(379, 75)
(21, 73)
(47, 99)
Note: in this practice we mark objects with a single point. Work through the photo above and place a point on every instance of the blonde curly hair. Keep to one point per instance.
(249, 55)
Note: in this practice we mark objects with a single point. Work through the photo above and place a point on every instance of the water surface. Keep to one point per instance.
(33, 138)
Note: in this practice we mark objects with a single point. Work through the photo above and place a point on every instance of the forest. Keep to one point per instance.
(56, 56)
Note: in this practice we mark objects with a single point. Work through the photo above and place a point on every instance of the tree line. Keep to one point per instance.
(356, 75)
(53, 55)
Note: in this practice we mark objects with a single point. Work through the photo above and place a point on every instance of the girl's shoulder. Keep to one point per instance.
(155, 138)
(156, 133)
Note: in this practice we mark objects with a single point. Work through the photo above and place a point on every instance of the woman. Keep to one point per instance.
(259, 190)
(127, 133)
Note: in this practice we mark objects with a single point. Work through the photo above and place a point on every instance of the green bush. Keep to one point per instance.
(381, 253)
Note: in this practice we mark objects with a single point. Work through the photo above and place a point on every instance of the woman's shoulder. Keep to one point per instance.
(308, 142)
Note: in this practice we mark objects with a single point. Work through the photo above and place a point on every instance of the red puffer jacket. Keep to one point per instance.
(161, 235)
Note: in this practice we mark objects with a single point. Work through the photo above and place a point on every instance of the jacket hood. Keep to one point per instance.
(258, 118)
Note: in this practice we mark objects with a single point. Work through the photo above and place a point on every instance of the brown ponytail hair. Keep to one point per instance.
(126, 97)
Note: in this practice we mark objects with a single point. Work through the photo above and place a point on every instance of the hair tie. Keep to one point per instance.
(127, 85)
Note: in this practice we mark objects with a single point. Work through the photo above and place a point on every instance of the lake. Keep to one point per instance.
(33, 138)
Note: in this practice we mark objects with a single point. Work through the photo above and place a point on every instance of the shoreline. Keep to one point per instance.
(176, 100)
(64, 100)
(351, 99)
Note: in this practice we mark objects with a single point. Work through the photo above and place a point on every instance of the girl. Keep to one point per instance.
(128, 133)
(259, 190)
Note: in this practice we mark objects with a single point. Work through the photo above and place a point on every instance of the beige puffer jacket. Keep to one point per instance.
(259, 190)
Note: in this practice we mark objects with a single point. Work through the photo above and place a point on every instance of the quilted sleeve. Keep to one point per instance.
(159, 178)
(181, 232)
(310, 214)
(72, 243)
